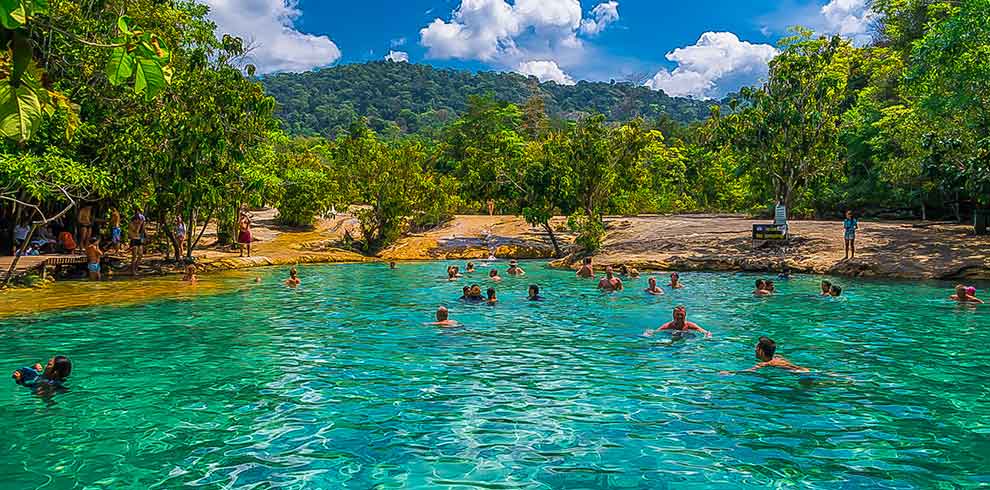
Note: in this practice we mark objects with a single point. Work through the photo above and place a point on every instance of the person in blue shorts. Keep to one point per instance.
(851, 225)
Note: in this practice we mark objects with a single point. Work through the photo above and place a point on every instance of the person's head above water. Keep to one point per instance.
(835, 290)
(442, 314)
(491, 294)
(653, 283)
(534, 291)
(493, 273)
(674, 277)
(476, 291)
(58, 368)
(761, 284)
(609, 271)
(470, 265)
(680, 313)
(826, 286)
(391, 264)
(765, 349)
(467, 291)
(293, 273)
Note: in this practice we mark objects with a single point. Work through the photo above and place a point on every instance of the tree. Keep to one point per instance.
(786, 131)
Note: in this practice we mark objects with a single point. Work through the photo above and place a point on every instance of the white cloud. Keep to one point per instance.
(398, 56)
(849, 18)
(395, 43)
(601, 16)
(508, 33)
(714, 66)
(268, 27)
(545, 71)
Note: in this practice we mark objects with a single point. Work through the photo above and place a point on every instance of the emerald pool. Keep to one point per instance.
(339, 384)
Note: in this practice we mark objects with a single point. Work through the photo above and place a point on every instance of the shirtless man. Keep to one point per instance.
(610, 283)
(675, 281)
(85, 220)
(587, 271)
(761, 288)
(93, 255)
(293, 280)
(654, 289)
(679, 324)
(470, 268)
(493, 275)
(765, 350)
(963, 295)
(514, 269)
(135, 233)
(443, 319)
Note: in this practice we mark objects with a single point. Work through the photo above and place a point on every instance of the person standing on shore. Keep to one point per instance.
(93, 256)
(85, 221)
(136, 233)
(491, 207)
(180, 234)
(115, 232)
(244, 237)
(850, 225)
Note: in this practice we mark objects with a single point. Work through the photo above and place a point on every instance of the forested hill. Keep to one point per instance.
(409, 98)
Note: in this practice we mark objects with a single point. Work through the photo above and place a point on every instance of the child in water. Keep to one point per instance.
(54, 374)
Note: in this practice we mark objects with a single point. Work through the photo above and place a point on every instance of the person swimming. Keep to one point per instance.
(453, 273)
(761, 288)
(53, 375)
(654, 289)
(443, 318)
(474, 295)
(835, 291)
(610, 283)
(391, 265)
(534, 293)
(675, 281)
(293, 280)
(826, 288)
(470, 268)
(770, 287)
(514, 269)
(966, 294)
(586, 271)
(492, 298)
(190, 275)
(679, 325)
(493, 275)
(766, 350)
(465, 293)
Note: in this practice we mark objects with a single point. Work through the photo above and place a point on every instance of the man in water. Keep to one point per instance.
(391, 265)
(93, 255)
(190, 275)
(966, 295)
(493, 275)
(761, 288)
(534, 293)
(835, 291)
(492, 297)
(587, 271)
(679, 324)
(654, 289)
(470, 268)
(610, 283)
(766, 350)
(514, 269)
(443, 318)
(293, 280)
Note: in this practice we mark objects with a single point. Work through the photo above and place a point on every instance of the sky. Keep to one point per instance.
(691, 48)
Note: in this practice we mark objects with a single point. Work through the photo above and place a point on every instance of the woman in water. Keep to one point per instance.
(761, 288)
(493, 275)
(492, 298)
(470, 268)
(826, 288)
(675, 281)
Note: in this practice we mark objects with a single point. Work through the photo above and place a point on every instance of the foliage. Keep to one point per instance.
(404, 98)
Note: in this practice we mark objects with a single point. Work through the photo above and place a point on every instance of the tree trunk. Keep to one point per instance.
(553, 239)
(192, 243)
(18, 254)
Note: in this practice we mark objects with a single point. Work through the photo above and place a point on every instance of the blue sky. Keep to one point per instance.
(698, 48)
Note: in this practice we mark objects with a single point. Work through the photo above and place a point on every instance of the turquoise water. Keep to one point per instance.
(338, 384)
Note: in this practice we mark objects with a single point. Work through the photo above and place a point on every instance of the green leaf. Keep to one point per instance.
(20, 110)
(120, 67)
(12, 14)
(122, 25)
(149, 78)
(22, 54)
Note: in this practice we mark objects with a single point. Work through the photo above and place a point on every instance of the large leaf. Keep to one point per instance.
(149, 78)
(12, 14)
(20, 110)
(120, 67)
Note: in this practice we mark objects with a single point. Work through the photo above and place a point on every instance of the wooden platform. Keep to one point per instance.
(29, 263)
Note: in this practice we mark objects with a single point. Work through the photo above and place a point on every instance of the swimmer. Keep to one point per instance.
(54, 374)
(610, 283)
(470, 268)
(475, 294)
(293, 280)
(633, 273)
(765, 353)
(465, 293)
(492, 298)
(785, 274)
(190, 275)
(770, 286)
(679, 324)
(534, 293)
(826, 288)
(835, 291)
(654, 289)
(966, 295)
(586, 271)
(493, 275)
(391, 265)
(453, 273)
(514, 269)
(443, 318)
(675, 281)
(761, 288)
